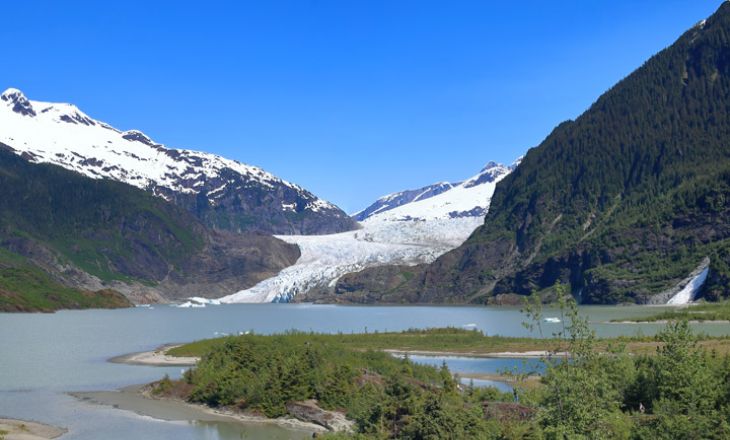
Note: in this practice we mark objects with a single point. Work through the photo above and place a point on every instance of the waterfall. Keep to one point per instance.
(689, 291)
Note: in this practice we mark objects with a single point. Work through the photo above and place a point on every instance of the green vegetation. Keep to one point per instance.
(679, 391)
(108, 229)
(640, 181)
(452, 340)
(60, 228)
(382, 394)
(54, 221)
(26, 288)
(621, 203)
(694, 312)
(629, 198)
(444, 340)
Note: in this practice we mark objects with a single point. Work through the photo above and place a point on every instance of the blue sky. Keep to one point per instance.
(350, 99)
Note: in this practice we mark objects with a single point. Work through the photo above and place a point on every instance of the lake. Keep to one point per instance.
(45, 356)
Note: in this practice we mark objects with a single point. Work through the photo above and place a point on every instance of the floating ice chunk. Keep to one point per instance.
(190, 304)
(201, 300)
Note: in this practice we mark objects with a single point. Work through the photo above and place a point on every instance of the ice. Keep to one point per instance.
(325, 258)
(413, 233)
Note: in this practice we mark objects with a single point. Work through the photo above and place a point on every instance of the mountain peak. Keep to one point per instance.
(12, 94)
(17, 99)
(440, 201)
(223, 193)
(136, 135)
(491, 164)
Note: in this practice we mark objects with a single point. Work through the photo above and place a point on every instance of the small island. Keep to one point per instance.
(351, 385)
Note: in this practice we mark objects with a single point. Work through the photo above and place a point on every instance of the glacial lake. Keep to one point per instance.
(43, 357)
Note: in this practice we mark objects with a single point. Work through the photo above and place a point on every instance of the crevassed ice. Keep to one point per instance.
(325, 258)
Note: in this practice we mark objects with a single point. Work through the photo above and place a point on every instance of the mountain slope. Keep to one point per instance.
(95, 234)
(415, 232)
(469, 198)
(397, 199)
(222, 193)
(622, 203)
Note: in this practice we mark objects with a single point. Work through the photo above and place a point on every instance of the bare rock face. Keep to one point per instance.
(309, 411)
(229, 262)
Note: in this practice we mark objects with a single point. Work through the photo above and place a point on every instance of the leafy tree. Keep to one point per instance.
(687, 390)
(580, 398)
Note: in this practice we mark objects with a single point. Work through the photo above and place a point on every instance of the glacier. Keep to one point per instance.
(325, 258)
(411, 233)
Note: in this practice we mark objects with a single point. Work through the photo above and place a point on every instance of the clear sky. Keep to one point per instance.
(350, 99)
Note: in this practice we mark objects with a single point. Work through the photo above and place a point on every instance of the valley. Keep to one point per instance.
(504, 275)
(415, 232)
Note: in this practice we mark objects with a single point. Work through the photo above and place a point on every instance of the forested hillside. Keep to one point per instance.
(62, 233)
(622, 203)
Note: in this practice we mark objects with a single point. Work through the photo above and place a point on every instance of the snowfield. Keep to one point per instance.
(470, 198)
(325, 258)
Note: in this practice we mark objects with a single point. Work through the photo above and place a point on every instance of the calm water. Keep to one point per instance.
(45, 356)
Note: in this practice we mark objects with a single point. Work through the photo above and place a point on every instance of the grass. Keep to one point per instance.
(26, 288)
(695, 312)
(382, 396)
(447, 340)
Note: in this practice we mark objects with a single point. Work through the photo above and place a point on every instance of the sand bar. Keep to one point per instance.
(501, 354)
(24, 430)
(138, 399)
(157, 357)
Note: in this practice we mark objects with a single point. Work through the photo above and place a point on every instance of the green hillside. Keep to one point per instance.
(59, 229)
(622, 203)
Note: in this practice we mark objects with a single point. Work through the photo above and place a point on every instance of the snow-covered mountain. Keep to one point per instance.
(395, 200)
(409, 228)
(223, 193)
(442, 200)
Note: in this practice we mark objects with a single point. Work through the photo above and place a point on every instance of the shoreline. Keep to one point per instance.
(15, 429)
(138, 399)
(667, 321)
(157, 358)
(530, 354)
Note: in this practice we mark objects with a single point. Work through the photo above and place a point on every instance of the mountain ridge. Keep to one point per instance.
(64, 236)
(415, 232)
(621, 203)
(223, 193)
(467, 198)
